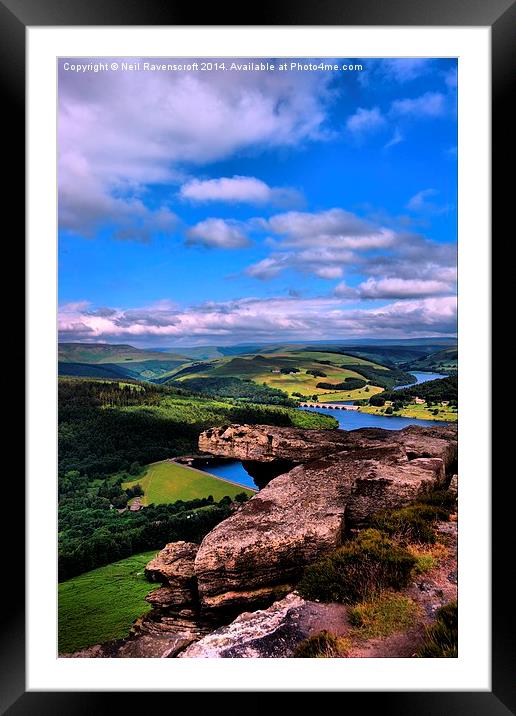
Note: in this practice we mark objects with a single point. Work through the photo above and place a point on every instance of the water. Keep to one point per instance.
(421, 378)
(353, 419)
(233, 471)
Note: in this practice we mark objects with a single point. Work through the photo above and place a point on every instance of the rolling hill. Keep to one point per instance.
(297, 372)
(442, 361)
(103, 360)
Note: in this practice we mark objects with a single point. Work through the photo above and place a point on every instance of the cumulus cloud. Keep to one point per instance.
(430, 104)
(238, 190)
(218, 233)
(262, 319)
(111, 147)
(365, 120)
(329, 243)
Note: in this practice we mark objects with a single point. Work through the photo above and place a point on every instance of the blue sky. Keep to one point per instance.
(222, 207)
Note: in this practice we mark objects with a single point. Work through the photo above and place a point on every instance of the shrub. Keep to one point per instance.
(441, 638)
(443, 499)
(323, 645)
(414, 523)
(358, 570)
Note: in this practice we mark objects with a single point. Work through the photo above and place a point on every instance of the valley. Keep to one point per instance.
(121, 490)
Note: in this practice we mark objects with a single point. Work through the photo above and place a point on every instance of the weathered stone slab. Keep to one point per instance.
(271, 633)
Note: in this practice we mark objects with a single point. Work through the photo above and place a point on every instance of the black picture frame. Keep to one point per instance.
(500, 16)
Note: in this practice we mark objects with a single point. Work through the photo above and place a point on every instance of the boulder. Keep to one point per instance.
(174, 568)
(258, 553)
(271, 633)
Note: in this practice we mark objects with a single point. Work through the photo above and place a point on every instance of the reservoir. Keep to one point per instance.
(421, 378)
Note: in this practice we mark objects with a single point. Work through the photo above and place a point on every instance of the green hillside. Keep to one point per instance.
(102, 604)
(102, 360)
(108, 353)
(443, 361)
(297, 372)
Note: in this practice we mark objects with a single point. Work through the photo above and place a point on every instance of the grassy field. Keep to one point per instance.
(259, 369)
(102, 604)
(360, 394)
(166, 482)
(422, 412)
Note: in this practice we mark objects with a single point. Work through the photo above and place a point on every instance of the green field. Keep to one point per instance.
(102, 604)
(166, 482)
(422, 412)
(360, 394)
(263, 369)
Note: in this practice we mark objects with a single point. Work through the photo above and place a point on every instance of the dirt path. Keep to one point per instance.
(430, 591)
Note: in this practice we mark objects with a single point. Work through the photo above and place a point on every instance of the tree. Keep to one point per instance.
(134, 468)
(388, 410)
(241, 497)
(377, 400)
(120, 501)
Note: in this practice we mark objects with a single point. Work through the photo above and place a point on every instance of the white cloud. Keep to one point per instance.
(402, 288)
(333, 228)
(430, 104)
(218, 233)
(238, 189)
(404, 69)
(365, 120)
(262, 319)
(111, 146)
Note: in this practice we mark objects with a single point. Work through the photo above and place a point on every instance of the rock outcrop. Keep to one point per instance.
(174, 568)
(271, 633)
(267, 444)
(257, 554)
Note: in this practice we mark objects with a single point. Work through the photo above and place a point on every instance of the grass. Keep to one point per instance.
(102, 604)
(323, 645)
(421, 412)
(358, 570)
(360, 394)
(166, 482)
(427, 556)
(442, 637)
(384, 615)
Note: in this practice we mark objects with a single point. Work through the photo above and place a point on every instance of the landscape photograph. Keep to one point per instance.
(257, 358)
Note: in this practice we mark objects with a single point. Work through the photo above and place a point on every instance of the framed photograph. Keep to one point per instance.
(258, 352)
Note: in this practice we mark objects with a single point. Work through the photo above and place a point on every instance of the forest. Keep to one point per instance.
(247, 390)
(433, 391)
(107, 430)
